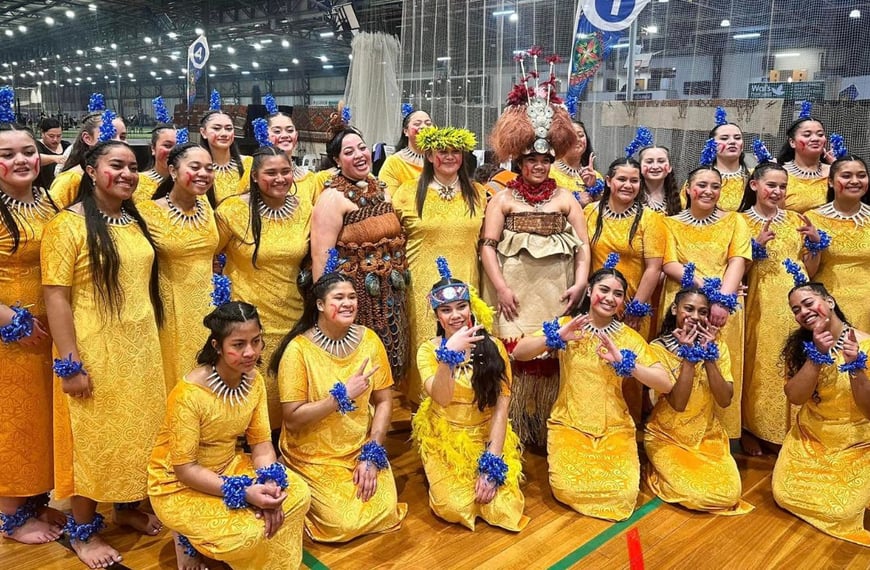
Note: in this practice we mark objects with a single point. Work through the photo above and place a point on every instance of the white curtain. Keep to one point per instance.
(372, 90)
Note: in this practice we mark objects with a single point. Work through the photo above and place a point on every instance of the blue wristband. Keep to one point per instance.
(345, 404)
(711, 352)
(551, 333)
(626, 366)
(694, 353)
(596, 189)
(451, 358)
(758, 251)
(494, 467)
(67, 367)
(815, 356)
(233, 490)
(860, 363)
(21, 326)
(815, 247)
(635, 308)
(274, 472)
(374, 453)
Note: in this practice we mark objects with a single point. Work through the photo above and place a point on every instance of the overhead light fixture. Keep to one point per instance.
(323, 58)
(725, 23)
(653, 29)
(70, 14)
(266, 41)
(255, 65)
(855, 14)
(748, 36)
(234, 66)
(350, 56)
(172, 35)
(514, 17)
(141, 57)
(99, 66)
(499, 13)
(212, 68)
(98, 49)
(92, 7)
(295, 61)
(128, 63)
(443, 58)
(328, 66)
(113, 45)
(788, 54)
(22, 29)
(663, 1)
(231, 50)
(216, 46)
(327, 34)
(246, 72)
(153, 59)
(285, 43)
(257, 47)
(49, 20)
(147, 39)
(283, 69)
(153, 73)
(79, 52)
(10, 33)
(199, 31)
(167, 72)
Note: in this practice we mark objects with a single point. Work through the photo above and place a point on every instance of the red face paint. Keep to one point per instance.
(334, 311)
(109, 176)
(162, 153)
(438, 162)
(801, 145)
(5, 169)
(596, 299)
(35, 163)
(189, 178)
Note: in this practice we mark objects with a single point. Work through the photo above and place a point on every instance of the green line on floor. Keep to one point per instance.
(313, 563)
(593, 544)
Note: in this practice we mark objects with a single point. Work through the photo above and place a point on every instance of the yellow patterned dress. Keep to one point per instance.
(400, 168)
(452, 438)
(148, 183)
(325, 453)
(648, 243)
(185, 249)
(202, 428)
(271, 285)
(102, 443)
(804, 194)
(65, 187)
(766, 411)
(709, 244)
(569, 178)
(25, 375)
(228, 182)
(733, 187)
(689, 452)
(845, 265)
(591, 447)
(822, 474)
(446, 229)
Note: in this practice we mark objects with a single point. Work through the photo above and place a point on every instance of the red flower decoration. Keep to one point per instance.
(554, 58)
(535, 51)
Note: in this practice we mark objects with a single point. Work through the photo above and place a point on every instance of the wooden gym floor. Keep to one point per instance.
(658, 536)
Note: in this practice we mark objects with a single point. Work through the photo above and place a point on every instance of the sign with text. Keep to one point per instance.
(800, 91)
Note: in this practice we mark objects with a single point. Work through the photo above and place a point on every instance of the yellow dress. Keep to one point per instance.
(845, 265)
(185, 252)
(227, 181)
(148, 183)
(446, 229)
(452, 438)
(25, 376)
(569, 180)
(710, 246)
(201, 428)
(591, 447)
(65, 187)
(325, 453)
(396, 170)
(689, 452)
(803, 194)
(306, 184)
(822, 474)
(271, 285)
(766, 411)
(102, 443)
(648, 243)
(731, 195)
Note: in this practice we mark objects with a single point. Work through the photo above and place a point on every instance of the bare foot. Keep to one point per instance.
(96, 552)
(751, 444)
(186, 562)
(36, 531)
(140, 521)
(51, 516)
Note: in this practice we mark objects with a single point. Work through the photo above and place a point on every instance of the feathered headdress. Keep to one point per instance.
(7, 99)
(271, 104)
(407, 109)
(806, 110)
(762, 155)
(534, 120)
(261, 131)
(688, 279)
(721, 116)
(445, 138)
(182, 136)
(708, 155)
(96, 103)
(222, 289)
(332, 262)
(612, 261)
(107, 128)
(346, 114)
(642, 138)
(161, 113)
(797, 275)
(214, 101)
(838, 146)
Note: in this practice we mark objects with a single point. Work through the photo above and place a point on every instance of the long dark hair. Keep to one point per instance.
(310, 314)
(489, 370)
(403, 138)
(742, 158)
(691, 177)
(155, 136)
(587, 154)
(89, 126)
(5, 214)
(220, 323)
(786, 152)
(469, 193)
(256, 198)
(105, 263)
(333, 147)
(750, 196)
(835, 168)
(599, 223)
(793, 356)
(234, 148)
(596, 277)
(670, 321)
(173, 158)
(673, 205)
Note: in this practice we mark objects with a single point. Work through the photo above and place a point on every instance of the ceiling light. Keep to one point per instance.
(132, 80)
(855, 14)
(199, 31)
(327, 34)
(788, 54)
(98, 49)
(443, 58)
(217, 46)
(173, 57)
(49, 20)
(10, 33)
(620, 46)
(328, 66)
(79, 52)
(234, 66)
(99, 66)
(246, 72)
(503, 13)
(295, 61)
(283, 69)
(652, 29)
(142, 57)
(725, 23)
(212, 67)
(92, 7)
(323, 58)
(78, 68)
(181, 77)
(514, 17)
(257, 47)
(153, 73)
(350, 56)
(153, 59)
(231, 50)
(113, 45)
(172, 35)
(749, 36)
(70, 14)
(285, 43)
(167, 72)
(266, 41)
(128, 63)
(147, 39)
(184, 70)
(255, 65)
(22, 29)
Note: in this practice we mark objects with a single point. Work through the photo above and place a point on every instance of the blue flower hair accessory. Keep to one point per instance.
(332, 264)
(612, 261)
(688, 279)
(96, 103)
(261, 132)
(271, 104)
(571, 105)
(798, 276)
(806, 110)
(21, 325)
(7, 98)
(107, 129)
(233, 490)
(83, 532)
(838, 146)
(214, 101)
(182, 136)
(346, 115)
(407, 109)
(443, 268)
(721, 116)
(760, 151)
(161, 113)
(493, 467)
(374, 453)
(708, 155)
(274, 472)
(222, 292)
(642, 138)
